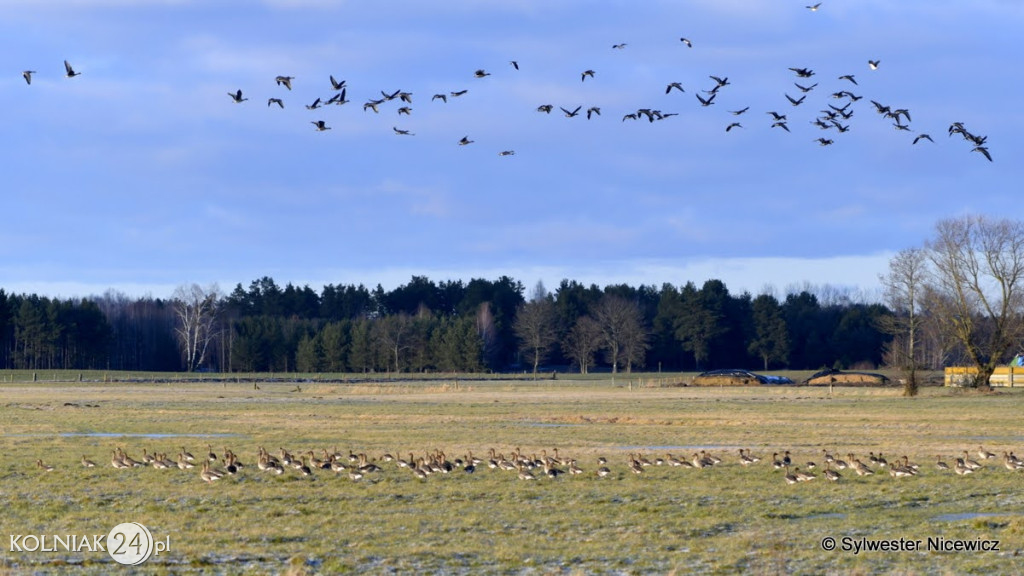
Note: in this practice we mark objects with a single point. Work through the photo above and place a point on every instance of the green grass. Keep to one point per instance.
(725, 519)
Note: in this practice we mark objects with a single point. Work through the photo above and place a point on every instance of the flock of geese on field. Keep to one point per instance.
(357, 466)
(834, 119)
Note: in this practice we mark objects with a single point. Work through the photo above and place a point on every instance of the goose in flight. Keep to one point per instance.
(286, 81)
(69, 71)
(873, 64)
(733, 125)
(619, 46)
(814, 7)
(687, 42)
(275, 101)
(676, 85)
(458, 93)
(777, 117)
(337, 85)
(803, 72)
(545, 108)
(402, 132)
(738, 112)
(405, 110)
(314, 105)
(593, 110)
(920, 137)
(442, 97)
(465, 140)
(586, 73)
(720, 81)
(507, 153)
(372, 105)
(706, 101)
(481, 74)
(984, 152)
(320, 125)
(824, 141)
(514, 64)
(805, 89)
(27, 75)
(569, 114)
(848, 77)
(794, 101)
(237, 96)
(780, 124)
(338, 98)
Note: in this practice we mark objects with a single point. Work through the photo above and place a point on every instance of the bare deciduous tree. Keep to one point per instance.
(583, 339)
(904, 292)
(977, 278)
(621, 325)
(196, 309)
(535, 327)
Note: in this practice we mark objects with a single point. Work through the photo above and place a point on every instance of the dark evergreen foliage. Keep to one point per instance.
(426, 326)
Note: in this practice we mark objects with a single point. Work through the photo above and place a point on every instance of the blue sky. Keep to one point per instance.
(141, 174)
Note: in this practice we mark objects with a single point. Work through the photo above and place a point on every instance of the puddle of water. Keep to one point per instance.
(155, 436)
(838, 515)
(968, 516)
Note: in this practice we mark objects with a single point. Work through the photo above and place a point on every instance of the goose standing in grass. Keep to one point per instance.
(44, 467)
(86, 463)
(209, 476)
(940, 464)
(603, 471)
(790, 477)
(803, 476)
(831, 474)
(985, 454)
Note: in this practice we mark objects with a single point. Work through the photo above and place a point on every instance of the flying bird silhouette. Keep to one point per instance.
(237, 96)
(873, 64)
(465, 140)
(586, 73)
(275, 101)
(687, 42)
(69, 72)
(320, 125)
(27, 75)
(286, 81)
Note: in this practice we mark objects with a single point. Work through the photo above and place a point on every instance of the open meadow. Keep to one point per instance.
(659, 518)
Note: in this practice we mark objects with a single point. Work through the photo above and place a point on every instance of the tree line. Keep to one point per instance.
(956, 300)
(480, 325)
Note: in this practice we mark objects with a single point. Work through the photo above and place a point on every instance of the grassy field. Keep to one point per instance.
(724, 519)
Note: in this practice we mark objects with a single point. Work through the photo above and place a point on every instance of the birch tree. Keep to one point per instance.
(196, 309)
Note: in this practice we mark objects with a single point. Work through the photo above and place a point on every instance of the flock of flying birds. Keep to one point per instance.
(833, 120)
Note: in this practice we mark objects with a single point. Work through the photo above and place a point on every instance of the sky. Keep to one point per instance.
(142, 174)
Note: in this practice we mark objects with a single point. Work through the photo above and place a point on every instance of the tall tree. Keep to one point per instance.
(535, 327)
(770, 342)
(977, 276)
(196, 309)
(903, 287)
(700, 321)
(582, 341)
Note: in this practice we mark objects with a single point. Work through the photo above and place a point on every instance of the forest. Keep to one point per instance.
(448, 326)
